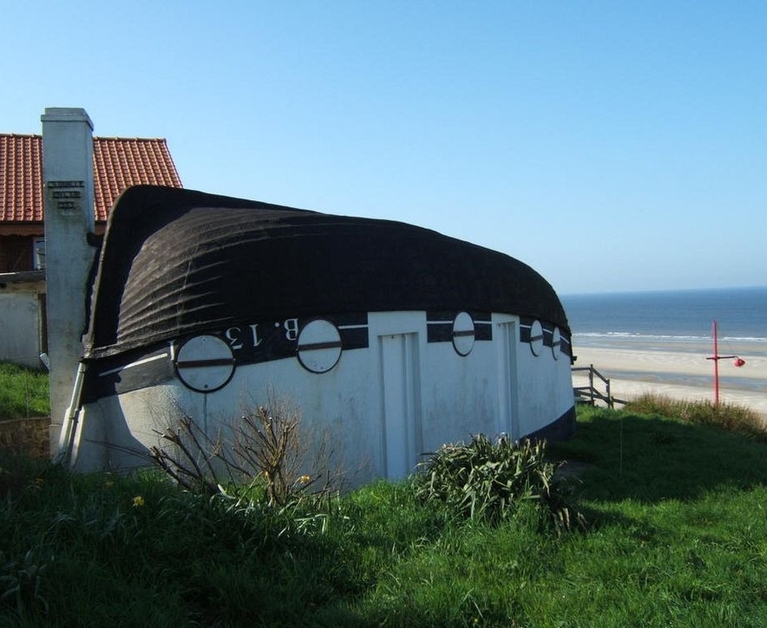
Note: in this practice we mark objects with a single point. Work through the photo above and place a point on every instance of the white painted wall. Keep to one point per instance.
(384, 405)
(20, 321)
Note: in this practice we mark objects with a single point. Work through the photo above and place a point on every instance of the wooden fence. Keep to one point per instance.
(598, 389)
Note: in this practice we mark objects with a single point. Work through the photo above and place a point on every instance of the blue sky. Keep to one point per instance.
(613, 146)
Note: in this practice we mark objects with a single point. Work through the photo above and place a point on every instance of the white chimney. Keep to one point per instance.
(68, 182)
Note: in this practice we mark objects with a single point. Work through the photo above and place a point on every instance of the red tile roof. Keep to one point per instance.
(21, 178)
(117, 164)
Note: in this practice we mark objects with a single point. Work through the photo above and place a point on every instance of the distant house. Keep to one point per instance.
(118, 163)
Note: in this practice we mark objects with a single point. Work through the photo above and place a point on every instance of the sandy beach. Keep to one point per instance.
(680, 371)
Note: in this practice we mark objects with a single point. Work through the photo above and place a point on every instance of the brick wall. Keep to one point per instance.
(26, 436)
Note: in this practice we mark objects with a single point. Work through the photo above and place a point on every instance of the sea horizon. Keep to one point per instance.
(646, 291)
(678, 320)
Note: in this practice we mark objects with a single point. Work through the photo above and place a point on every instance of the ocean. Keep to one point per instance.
(682, 320)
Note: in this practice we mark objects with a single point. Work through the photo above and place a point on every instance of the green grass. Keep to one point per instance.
(23, 392)
(677, 536)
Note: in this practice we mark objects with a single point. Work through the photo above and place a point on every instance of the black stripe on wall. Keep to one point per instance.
(439, 325)
(525, 324)
(251, 344)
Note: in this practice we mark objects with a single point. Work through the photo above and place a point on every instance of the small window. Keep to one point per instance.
(536, 338)
(463, 334)
(205, 363)
(319, 346)
(556, 343)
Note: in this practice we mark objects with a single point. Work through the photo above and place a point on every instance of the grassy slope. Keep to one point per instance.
(23, 392)
(679, 534)
(678, 537)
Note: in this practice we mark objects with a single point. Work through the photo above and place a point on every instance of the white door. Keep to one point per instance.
(401, 415)
(507, 380)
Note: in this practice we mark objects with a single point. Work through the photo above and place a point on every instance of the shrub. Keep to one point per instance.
(496, 481)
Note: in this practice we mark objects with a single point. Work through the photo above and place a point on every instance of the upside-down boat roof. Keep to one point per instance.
(176, 262)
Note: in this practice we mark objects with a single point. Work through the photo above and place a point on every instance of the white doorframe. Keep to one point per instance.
(508, 414)
(400, 380)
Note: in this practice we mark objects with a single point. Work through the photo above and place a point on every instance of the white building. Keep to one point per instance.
(394, 338)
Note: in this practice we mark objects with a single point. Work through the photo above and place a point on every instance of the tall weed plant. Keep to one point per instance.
(727, 416)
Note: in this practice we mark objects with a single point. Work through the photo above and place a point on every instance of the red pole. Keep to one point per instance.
(716, 368)
(716, 357)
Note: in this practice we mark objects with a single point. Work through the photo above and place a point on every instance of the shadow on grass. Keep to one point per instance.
(651, 458)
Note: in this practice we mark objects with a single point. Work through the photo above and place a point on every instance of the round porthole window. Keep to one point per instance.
(536, 338)
(319, 346)
(556, 343)
(205, 363)
(463, 334)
